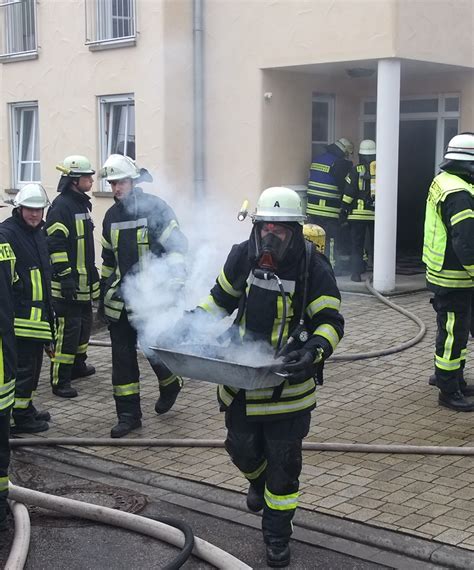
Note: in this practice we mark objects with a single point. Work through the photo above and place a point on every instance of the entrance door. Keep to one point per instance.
(417, 153)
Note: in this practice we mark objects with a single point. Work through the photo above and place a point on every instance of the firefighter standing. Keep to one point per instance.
(7, 368)
(448, 252)
(358, 206)
(326, 183)
(265, 427)
(138, 224)
(75, 282)
(34, 325)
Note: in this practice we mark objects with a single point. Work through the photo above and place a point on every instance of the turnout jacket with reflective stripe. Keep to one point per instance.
(7, 334)
(326, 183)
(32, 290)
(70, 238)
(448, 249)
(133, 227)
(359, 194)
(262, 318)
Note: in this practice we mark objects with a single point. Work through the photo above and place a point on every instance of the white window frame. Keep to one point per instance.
(13, 27)
(99, 24)
(17, 134)
(105, 141)
(440, 116)
(331, 101)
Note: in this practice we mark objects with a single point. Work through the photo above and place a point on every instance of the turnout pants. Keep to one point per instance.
(268, 453)
(125, 371)
(4, 459)
(358, 234)
(73, 325)
(331, 228)
(453, 318)
(30, 360)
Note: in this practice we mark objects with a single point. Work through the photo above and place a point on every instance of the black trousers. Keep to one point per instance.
(30, 360)
(453, 319)
(268, 453)
(125, 371)
(359, 230)
(331, 227)
(4, 459)
(73, 326)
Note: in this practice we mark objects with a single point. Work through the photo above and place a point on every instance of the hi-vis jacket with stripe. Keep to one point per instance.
(7, 333)
(359, 194)
(70, 238)
(262, 318)
(448, 249)
(133, 227)
(32, 290)
(326, 183)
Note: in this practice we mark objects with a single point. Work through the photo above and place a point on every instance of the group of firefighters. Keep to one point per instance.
(341, 200)
(48, 281)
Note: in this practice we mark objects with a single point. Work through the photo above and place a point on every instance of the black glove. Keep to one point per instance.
(301, 364)
(69, 289)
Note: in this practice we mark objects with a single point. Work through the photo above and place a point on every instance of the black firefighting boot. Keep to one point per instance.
(125, 425)
(255, 500)
(278, 555)
(42, 415)
(466, 389)
(29, 425)
(168, 397)
(455, 401)
(65, 391)
(82, 370)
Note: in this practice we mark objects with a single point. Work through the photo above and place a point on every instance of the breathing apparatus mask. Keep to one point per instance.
(272, 243)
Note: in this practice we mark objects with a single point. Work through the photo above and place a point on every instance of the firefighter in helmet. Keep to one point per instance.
(266, 427)
(138, 224)
(358, 207)
(75, 281)
(34, 318)
(448, 252)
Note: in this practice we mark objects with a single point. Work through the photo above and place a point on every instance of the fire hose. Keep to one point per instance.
(204, 550)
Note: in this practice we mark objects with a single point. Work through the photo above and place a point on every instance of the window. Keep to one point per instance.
(110, 21)
(25, 143)
(117, 126)
(322, 123)
(18, 28)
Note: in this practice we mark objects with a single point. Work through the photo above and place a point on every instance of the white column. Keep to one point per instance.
(388, 117)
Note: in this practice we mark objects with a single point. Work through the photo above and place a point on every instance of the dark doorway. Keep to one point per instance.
(415, 173)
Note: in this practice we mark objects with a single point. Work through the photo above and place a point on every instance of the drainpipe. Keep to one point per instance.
(388, 118)
(198, 99)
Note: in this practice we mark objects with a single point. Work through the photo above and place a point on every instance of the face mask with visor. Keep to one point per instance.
(272, 248)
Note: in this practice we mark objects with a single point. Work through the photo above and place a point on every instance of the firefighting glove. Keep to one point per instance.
(68, 289)
(300, 365)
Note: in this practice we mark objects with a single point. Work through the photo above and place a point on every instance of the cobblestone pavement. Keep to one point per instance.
(384, 401)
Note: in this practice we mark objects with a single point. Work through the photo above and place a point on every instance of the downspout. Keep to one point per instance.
(198, 99)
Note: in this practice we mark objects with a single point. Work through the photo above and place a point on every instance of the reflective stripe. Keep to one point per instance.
(272, 285)
(320, 167)
(4, 481)
(106, 271)
(59, 257)
(57, 227)
(105, 244)
(142, 222)
(278, 321)
(324, 186)
(22, 403)
(448, 344)
(288, 391)
(331, 195)
(446, 364)
(82, 348)
(329, 333)
(127, 389)
(256, 474)
(36, 286)
(225, 284)
(168, 381)
(281, 502)
(347, 199)
(460, 216)
(212, 307)
(59, 345)
(226, 394)
(281, 407)
(167, 232)
(444, 280)
(321, 303)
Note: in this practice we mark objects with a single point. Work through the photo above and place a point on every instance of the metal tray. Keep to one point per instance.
(219, 371)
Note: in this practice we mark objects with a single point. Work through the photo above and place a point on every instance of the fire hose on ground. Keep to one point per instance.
(206, 551)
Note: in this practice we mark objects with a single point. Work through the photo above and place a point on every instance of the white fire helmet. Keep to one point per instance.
(345, 145)
(367, 146)
(279, 204)
(119, 167)
(461, 147)
(76, 166)
(32, 196)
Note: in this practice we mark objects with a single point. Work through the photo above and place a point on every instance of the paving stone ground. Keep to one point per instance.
(384, 401)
